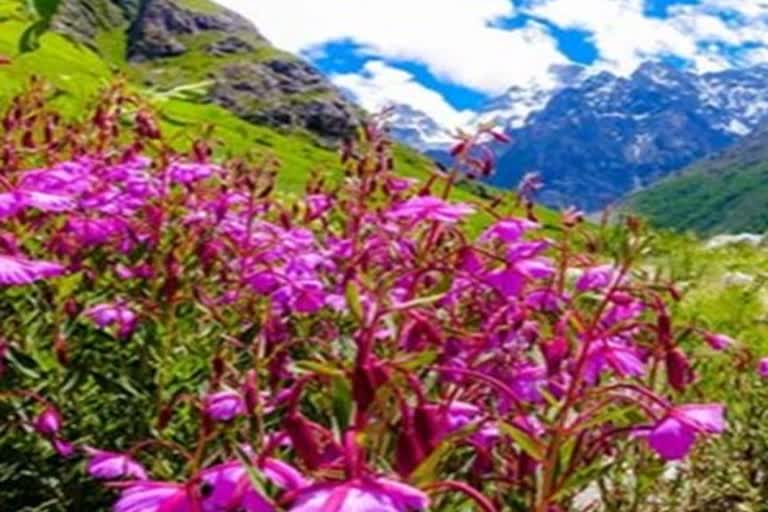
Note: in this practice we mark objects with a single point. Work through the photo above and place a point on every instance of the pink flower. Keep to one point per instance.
(622, 358)
(673, 436)
(108, 314)
(16, 270)
(224, 405)
(283, 475)
(186, 173)
(90, 231)
(48, 423)
(762, 367)
(598, 278)
(46, 201)
(363, 495)
(317, 204)
(397, 184)
(152, 496)
(10, 204)
(228, 487)
(509, 230)
(63, 447)
(430, 208)
(718, 341)
(112, 466)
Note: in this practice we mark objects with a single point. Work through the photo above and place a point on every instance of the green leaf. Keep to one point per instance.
(422, 301)
(319, 368)
(66, 285)
(341, 396)
(426, 472)
(28, 42)
(353, 300)
(528, 444)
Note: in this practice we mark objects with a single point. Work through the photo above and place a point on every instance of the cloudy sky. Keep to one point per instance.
(446, 57)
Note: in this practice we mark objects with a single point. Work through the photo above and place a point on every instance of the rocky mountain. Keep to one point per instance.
(604, 136)
(724, 193)
(512, 109)
(417, 129)
(169, 43)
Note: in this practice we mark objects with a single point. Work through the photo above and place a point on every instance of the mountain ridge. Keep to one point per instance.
(606, 136)
(724, 193)
(169, 43)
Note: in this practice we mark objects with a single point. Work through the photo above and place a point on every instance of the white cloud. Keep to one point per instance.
(460, 41)
(380, 85)
(455, 39)
(625, 36)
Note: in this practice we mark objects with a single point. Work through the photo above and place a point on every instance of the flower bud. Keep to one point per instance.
(679, 371)
(299, 430)
(49, 422)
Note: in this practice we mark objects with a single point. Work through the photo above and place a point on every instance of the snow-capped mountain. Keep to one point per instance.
(597, 137)
(511, 110)
(609, 135)
(417, 129)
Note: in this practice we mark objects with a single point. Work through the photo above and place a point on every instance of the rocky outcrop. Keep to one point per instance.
(283, 92)
(250, 77)
(157, 30)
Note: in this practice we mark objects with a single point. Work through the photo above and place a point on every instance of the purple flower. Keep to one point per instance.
(46, 201)
(112, 466)
(17, 270)
(109, 314)
(283, 475)
(317, 204)
(397, 184)
(10, 204)
(63, 447)
(224, 405)
(89, 231)
(430, 208)
(186, 173)
(509, 230)
(762, 367)
(152, 496)
(228, 487)
(718, 341)
(48, 423)
(673, 436)
(598, 278)
(620, 357)
(526, 381)
(363, 495)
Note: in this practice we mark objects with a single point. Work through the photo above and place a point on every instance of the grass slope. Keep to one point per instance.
(78, 74)
(726, 193)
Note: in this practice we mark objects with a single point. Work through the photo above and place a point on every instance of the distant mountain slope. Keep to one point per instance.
(604, 136)
(727, 193)
(168, 43)
(608, 136)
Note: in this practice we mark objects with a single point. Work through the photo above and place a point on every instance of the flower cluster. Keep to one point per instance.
(367, 352)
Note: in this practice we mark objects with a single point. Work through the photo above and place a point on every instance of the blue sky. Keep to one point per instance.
(446, 57)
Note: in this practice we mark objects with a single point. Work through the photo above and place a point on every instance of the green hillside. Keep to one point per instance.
(78, 73)
(727, 193)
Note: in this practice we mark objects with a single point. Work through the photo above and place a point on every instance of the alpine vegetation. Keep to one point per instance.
(183, 336)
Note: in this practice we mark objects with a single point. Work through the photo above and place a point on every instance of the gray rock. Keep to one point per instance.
(228, 46)
(261, 85)
(721, 241)
(284, 93)
(159, 24)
